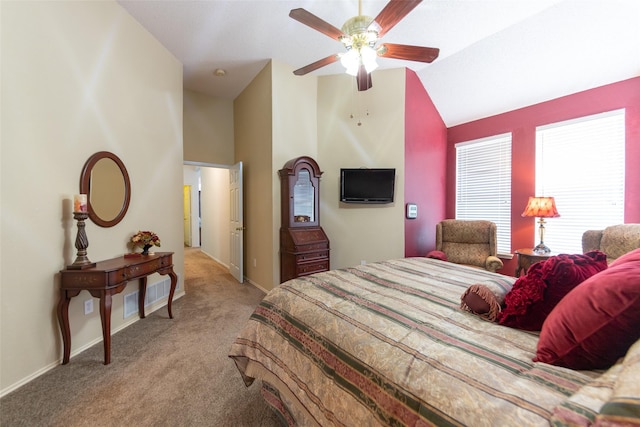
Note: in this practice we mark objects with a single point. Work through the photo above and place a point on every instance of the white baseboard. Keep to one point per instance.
(77, 351)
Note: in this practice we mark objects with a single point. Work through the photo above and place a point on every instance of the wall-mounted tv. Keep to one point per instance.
(367, 185)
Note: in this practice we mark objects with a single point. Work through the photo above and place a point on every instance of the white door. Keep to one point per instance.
(236, 225)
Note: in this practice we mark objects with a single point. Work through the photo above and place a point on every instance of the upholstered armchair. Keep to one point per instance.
(614, 241)
(473, 243)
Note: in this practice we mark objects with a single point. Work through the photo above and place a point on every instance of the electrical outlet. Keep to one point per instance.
(363, 261)
(255, 262)
(88, 306)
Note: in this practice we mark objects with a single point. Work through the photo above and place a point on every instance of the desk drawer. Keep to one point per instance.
(313, 267)
(310, 256)
(311, 247)
(139, 270)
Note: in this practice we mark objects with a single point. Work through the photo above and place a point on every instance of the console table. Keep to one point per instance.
(108, 278)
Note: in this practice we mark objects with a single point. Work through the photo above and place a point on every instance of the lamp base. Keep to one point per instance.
(541, 249)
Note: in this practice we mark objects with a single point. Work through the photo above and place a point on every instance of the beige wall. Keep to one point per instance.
(275, 121)
(295, 134)
(216, 214)
(252, 115)
(361, 232)
(77, 78)
(280, 116)
(208, 129)
(209, 141)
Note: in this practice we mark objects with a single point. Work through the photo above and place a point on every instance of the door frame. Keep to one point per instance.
(215, 166)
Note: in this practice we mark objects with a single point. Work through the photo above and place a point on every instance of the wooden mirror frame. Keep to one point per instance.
(85, 188)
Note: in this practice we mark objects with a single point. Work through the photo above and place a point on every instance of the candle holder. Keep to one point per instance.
(82, 243)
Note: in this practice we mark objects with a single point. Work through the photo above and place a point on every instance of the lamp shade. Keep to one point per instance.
(541, 207)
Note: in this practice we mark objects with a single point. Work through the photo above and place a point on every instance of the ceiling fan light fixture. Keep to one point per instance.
(368, 57)
(351, 61)
(360, 36)
(358, 24)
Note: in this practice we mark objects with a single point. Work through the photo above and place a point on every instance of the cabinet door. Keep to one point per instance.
(304, 198)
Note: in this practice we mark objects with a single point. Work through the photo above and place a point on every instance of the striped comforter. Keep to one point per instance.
(387, 344)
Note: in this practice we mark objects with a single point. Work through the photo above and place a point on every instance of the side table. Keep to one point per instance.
(526, 257)
(106, 279)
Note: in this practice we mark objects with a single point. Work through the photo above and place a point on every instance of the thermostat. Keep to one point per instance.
(412, 210)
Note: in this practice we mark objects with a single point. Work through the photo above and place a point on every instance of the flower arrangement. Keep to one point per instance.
(145, 238)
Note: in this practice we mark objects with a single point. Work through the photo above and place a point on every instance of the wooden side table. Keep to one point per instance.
(108, 278)
(527, 257)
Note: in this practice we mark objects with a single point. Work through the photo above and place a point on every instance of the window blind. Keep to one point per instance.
(581, 163)
(483, 184)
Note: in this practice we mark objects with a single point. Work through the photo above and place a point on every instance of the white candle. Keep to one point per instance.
(80, 203)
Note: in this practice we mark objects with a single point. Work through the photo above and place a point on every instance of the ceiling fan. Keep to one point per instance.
(359, 36)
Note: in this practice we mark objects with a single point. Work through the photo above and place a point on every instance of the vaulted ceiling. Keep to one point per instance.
(495, 55)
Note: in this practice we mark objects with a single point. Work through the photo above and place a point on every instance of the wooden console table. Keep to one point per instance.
(108, 278)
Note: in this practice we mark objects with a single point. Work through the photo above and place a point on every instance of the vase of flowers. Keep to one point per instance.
(146, 240)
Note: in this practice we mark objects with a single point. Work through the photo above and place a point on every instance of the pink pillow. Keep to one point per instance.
(437, 255)
(534, 295)
(596, 323)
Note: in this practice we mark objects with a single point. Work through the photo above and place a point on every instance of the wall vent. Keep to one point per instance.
(155, 292)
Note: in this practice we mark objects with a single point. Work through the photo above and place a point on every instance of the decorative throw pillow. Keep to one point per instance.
(437, 255)
(534, 295)
(485, 299)
(596, 322)
(623, 408)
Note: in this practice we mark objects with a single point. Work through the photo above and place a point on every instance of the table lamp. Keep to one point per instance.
(541, 207)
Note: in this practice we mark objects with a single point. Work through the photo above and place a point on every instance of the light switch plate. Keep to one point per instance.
(412, 210)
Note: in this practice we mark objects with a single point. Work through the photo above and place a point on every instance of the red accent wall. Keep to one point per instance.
(424, 166)
(522, 123)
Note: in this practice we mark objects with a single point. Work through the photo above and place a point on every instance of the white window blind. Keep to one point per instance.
(483, 184)
(581, 164)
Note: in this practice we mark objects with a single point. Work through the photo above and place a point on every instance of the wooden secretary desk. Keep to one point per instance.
(304, 246)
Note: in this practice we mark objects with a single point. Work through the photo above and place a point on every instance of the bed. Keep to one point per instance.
(386, 343)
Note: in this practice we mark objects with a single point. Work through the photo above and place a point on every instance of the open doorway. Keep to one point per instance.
(210, 209)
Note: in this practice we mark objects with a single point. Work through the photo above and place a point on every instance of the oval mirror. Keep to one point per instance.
(105, 181)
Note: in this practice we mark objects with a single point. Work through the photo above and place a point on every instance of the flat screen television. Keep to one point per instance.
(367, 185)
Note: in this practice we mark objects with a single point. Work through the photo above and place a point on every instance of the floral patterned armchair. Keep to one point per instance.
(614, 241)
(473, 243)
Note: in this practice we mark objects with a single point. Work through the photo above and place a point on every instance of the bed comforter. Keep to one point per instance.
(387, 344)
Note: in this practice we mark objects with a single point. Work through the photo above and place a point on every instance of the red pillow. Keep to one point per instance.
(596, 323)
(437, 255)
(534, 295)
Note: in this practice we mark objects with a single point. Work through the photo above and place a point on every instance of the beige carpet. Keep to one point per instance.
(163, 372)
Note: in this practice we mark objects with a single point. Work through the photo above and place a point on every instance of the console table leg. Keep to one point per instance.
(174, 282)
(63, 319)
(105, 316)
(142, 292)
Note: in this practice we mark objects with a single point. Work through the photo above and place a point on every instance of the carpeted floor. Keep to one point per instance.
(163, 372)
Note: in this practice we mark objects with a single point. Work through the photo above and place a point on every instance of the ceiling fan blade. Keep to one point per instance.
(316, 23)
(318, 64)
(404, 51)
(363, 79)
(393, 12)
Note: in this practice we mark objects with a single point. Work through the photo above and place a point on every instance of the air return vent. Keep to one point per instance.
(155, 292)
